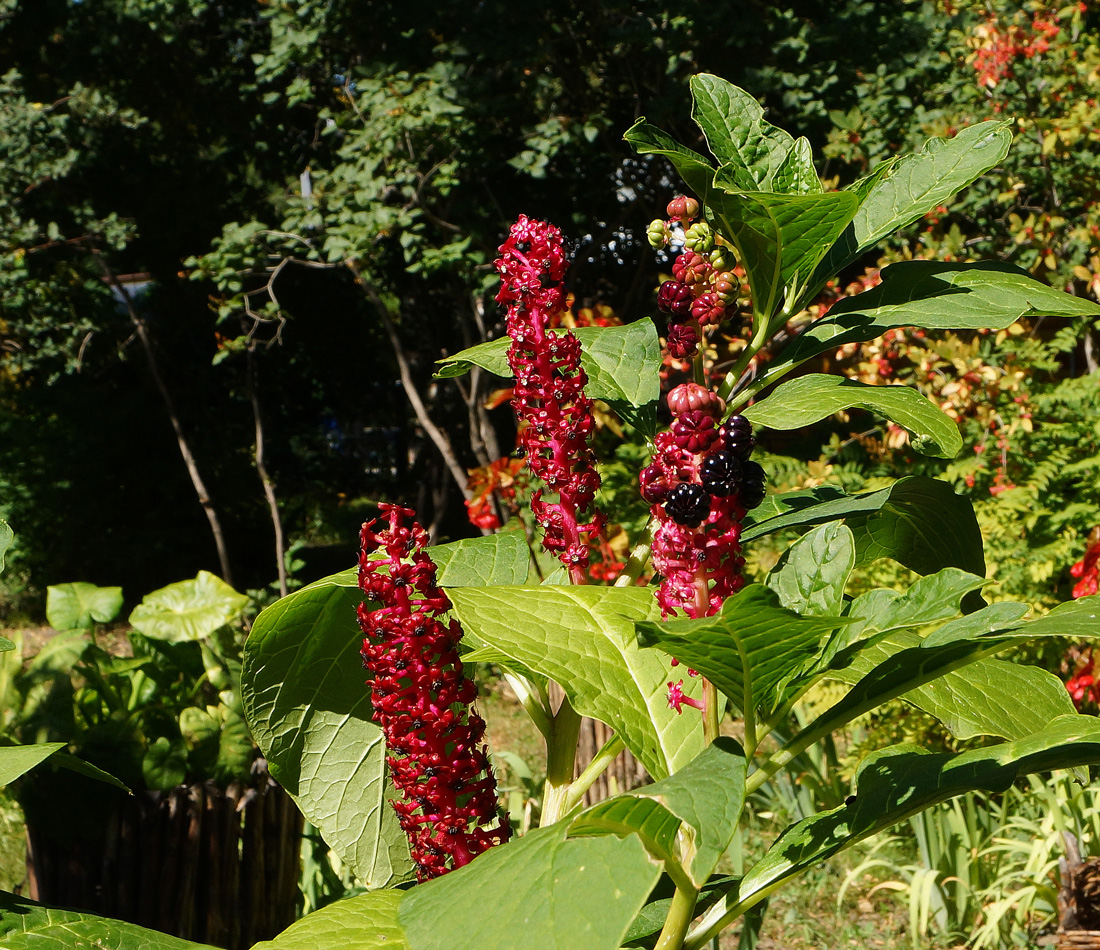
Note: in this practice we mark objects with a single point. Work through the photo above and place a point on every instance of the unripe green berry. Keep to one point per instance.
(658, 233)
(719, 258)
(699, 238)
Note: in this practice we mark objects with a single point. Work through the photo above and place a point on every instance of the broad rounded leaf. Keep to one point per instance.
(702, 803)
(812, 573)
(808, 399)
(309, 709)
(78, 606)
(188, 610)
(540, 892)
(753, 644)
(366, 922)
(25, 925)
(753, 152)
(583, 638)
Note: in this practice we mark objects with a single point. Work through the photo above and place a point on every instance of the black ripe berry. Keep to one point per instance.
(688, 505)
(721, 473)
(737, 436)
(752, 485)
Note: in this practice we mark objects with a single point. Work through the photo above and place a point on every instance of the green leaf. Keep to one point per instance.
(797, 175)
(811, 575)
(621, 362)
(25, 925)
(925, 513)
(501, 558)
(911, 186)
(701, 806)
(7, 536)
(366, 922)
(901, 781)
(929, 599)
(17, 759)
(750, 151)
(6, 645)
(808, 399)
(309, 709)
(81, 767)
(542, 892)
(932, 295)
(924, 525)
(752, 632)
(188, 610)
(779, 238)
(697, 172)
(986, 698)
(80, 606)
(583, 638)
(164, 765)
(652, 917)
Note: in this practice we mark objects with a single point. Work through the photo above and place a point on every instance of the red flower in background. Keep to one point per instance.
(1088, 568)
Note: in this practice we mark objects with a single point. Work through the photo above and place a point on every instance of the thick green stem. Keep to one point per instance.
(600, 761)
(759, 338)
(561, 756)
(678, 920)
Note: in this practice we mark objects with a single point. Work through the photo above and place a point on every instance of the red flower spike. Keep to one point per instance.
(549, 392)
(421, 699)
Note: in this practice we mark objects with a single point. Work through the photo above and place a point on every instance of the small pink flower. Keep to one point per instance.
(677, 700)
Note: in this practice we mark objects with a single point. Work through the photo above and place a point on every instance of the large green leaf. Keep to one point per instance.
(811, 575)
(964, 641)
(17, 759)
(915, 184)
(986, 698)
(703, 801)
(501, 558)
(932, 295)
(924, 525)
(808, 399)
(541, 892)
(920, 522)
(366, 922)
(79, 606)
(25, 925)
(779, 238)
(751, 152)
(752, 637)
(583, 638)
(188, 610)
(896, 783)
(621, 362)
(309, 709)
(697, 172)
(930, 599)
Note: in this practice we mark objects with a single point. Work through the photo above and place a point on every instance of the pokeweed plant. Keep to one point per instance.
(639, 869)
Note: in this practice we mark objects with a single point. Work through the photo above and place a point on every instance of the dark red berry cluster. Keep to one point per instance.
(700, 484)
(549, 392)
(703, 290)
(422, 701)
